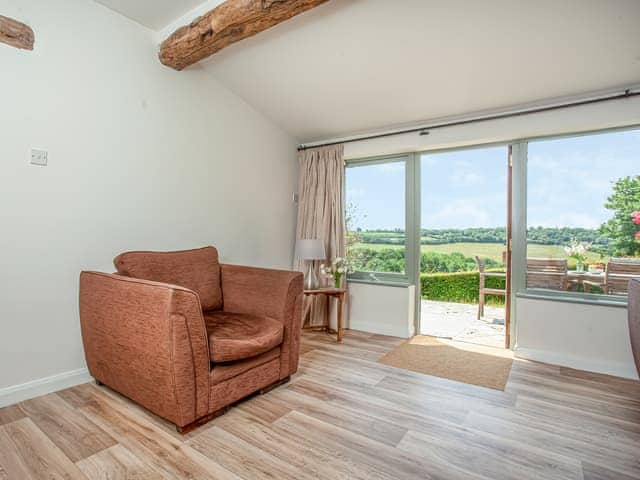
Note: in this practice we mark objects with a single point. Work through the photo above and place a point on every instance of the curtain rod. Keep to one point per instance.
(424, 130)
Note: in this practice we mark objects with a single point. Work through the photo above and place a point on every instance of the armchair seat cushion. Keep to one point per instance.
(236, 336)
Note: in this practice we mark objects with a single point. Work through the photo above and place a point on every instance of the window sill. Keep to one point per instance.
(569, 297)
(381, 283)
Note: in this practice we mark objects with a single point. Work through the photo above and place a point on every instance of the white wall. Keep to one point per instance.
(140, 157)
(586, 337)
(381, 309)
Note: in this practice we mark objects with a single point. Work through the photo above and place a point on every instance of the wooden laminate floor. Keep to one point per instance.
(344, 416)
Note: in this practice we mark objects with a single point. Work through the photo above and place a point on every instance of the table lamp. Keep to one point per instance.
(309, 250)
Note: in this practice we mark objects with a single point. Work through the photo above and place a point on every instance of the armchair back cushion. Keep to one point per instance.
(197, 270)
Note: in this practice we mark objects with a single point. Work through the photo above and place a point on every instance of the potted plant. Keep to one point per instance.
(338, 267)
(578, 251)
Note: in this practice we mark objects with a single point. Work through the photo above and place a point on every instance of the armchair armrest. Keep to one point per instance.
(147, 340)
(271, 293)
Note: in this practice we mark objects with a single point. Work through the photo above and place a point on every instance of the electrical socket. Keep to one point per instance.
(39, 157)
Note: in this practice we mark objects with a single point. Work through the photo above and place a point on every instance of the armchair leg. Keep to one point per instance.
(201, 421)
(268, 388)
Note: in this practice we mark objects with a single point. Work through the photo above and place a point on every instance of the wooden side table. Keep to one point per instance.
(329, 292)
(586, 279)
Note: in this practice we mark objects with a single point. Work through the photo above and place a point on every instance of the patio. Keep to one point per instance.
(458, 321)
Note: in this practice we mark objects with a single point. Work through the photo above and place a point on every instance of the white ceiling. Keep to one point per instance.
(154, 14)
(355, 65)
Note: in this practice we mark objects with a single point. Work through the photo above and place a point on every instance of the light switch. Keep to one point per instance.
(39, 157)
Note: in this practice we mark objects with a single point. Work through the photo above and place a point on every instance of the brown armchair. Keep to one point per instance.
(185, 336)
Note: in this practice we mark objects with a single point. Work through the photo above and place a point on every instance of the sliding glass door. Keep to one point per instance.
(464, 244)
(441, 220)
(433, 220)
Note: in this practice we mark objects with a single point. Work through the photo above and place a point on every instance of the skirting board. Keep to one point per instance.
(42, 386)
(617, 369)
(380, 329)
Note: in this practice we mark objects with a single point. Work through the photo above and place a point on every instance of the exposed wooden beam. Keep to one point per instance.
(229, 22)
(16, 34)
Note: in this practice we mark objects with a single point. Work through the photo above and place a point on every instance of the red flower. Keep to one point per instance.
(635, 217)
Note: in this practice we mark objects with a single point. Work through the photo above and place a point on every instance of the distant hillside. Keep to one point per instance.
(539, 235)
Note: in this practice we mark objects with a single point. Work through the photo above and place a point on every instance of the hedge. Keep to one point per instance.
(461, 287)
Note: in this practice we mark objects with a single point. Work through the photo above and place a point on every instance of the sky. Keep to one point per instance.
(569, 180)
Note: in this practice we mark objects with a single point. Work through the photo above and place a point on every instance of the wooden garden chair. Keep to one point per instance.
(483, 290)
(617, 274)
(547, 273)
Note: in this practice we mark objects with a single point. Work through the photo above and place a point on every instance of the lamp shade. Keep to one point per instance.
(310, 249)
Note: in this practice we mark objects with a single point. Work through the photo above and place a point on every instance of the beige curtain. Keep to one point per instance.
(321, 211)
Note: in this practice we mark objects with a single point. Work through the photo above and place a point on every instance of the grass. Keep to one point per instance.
(492, 250)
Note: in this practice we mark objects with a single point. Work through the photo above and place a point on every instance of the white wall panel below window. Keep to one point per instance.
(586, 337)
(382, 309)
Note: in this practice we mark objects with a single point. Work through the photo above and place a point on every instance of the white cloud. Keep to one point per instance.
(463, 175)
(570, 188)
(460, 212)
(543, 162)
(562, 219)
(597, 183)
(466, 179)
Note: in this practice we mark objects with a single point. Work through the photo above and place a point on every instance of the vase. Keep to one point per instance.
(337, 280)
(579, 266)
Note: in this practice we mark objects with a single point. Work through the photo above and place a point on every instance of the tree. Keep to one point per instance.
(353, 234)
(624, 200)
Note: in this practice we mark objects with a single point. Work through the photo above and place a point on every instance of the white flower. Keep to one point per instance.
(340, 270)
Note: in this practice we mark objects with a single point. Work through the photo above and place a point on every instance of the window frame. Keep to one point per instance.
(391, 278)
(520, 226)
(519, 147)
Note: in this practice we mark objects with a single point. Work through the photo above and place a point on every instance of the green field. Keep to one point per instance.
(491, 250)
